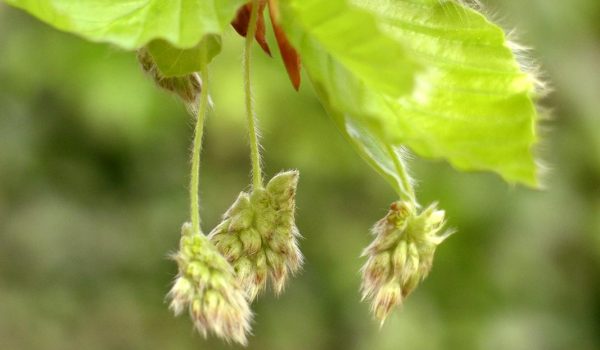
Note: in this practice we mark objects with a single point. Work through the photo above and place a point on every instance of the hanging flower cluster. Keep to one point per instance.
(401, 255)
(221, 273)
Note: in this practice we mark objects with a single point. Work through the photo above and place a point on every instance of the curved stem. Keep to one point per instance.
(197, 149)
(251, 118)
(406, 187)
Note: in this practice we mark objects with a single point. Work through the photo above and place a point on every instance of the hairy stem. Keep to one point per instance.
(251, 118)
(197, 149)
(407, 191)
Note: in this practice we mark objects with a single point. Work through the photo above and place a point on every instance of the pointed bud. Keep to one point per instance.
(385, 299)
(207, 287)
(262, 223)
(251, 241)
(400, 256)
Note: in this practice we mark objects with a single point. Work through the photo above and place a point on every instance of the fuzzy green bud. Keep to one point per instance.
(261, 224)
(187, 87)
(206, 286)
(401, 255)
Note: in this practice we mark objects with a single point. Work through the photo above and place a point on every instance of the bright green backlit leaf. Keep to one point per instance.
(172, 61)
(132, 24)
(471, 104)
(474, 105)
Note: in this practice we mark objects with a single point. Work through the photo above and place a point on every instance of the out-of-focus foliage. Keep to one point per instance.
(93, 174)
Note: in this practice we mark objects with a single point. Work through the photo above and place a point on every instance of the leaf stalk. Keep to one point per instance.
(250, 114)
(197, 147)
(407, 191)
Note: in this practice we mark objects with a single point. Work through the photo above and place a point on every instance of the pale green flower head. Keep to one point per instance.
(401, 255)
(206, 286)
(258, 235)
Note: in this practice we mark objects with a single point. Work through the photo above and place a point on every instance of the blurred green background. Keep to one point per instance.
(93, 190)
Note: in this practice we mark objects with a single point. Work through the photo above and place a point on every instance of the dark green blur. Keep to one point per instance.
(93, 191)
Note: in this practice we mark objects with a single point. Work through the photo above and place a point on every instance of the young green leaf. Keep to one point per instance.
(471, 104)
(132, 24)
(474, 103)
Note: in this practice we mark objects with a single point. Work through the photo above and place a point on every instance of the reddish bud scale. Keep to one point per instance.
(291, 58)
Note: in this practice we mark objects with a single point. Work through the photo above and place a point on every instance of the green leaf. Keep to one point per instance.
(348, 102)
(172, 61)
(132, 24)
(352, 37)
(472, 104)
